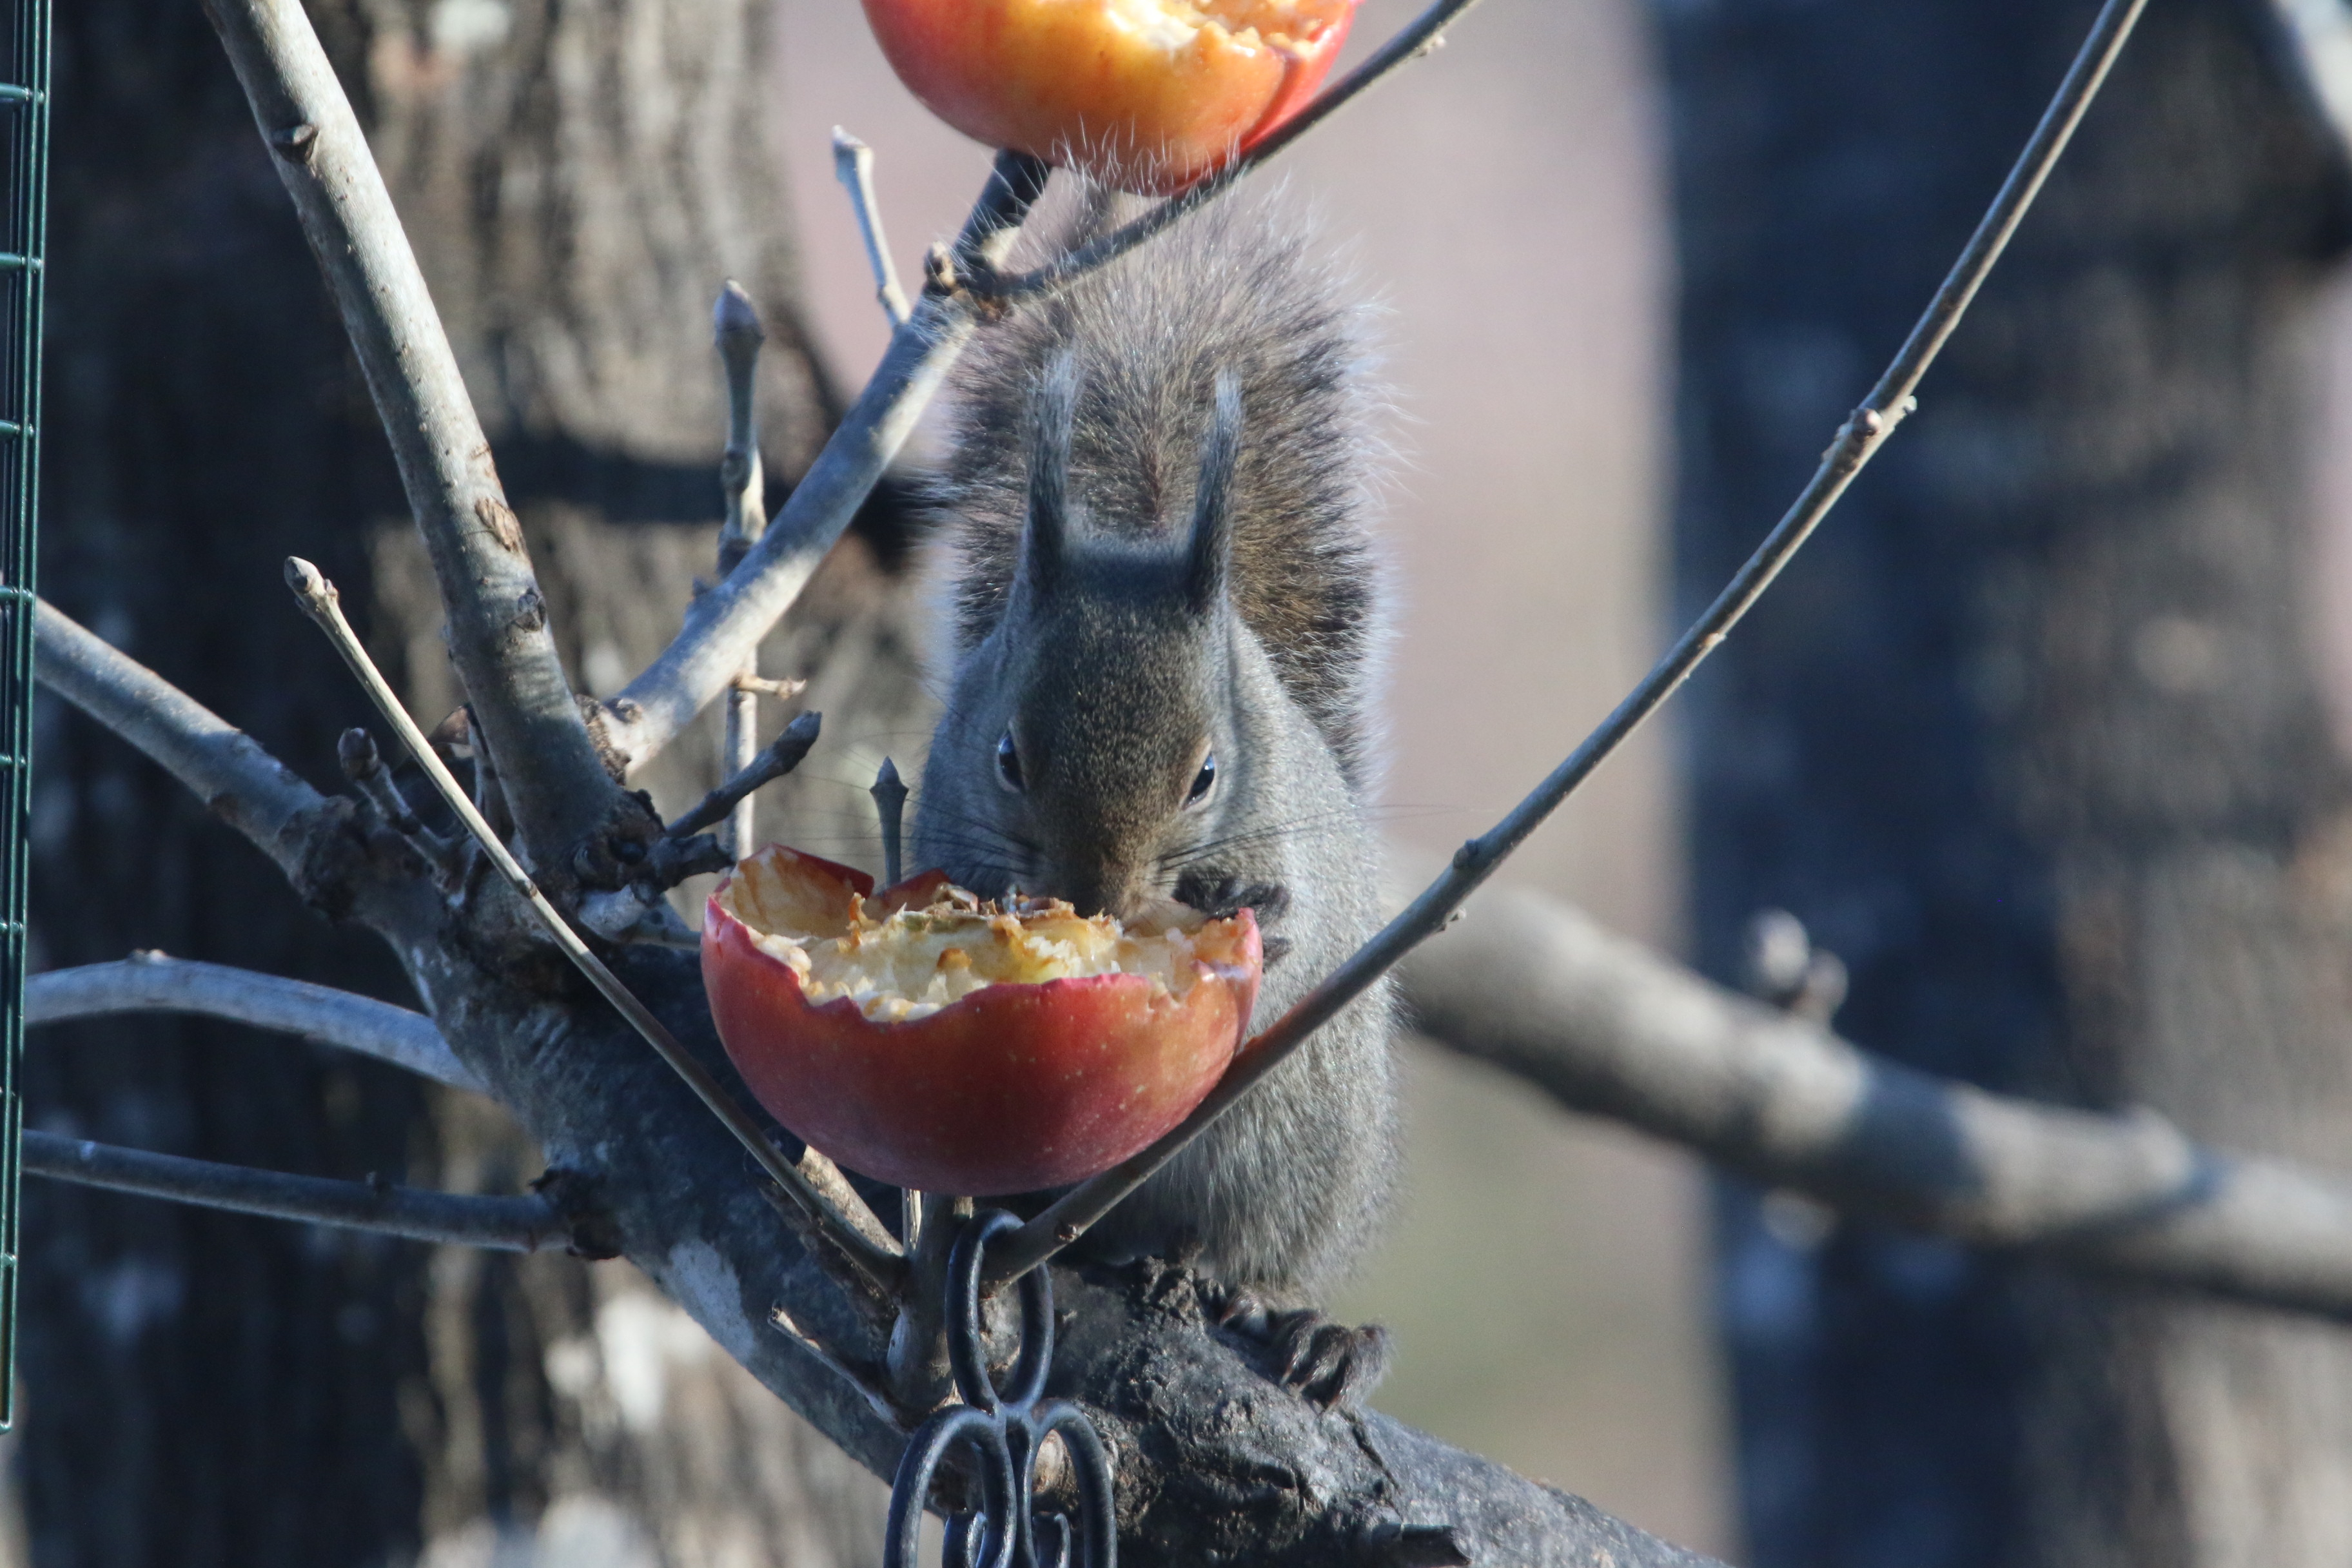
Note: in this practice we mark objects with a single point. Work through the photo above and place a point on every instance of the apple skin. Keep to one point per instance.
(1062, 80)
(1012, 1088)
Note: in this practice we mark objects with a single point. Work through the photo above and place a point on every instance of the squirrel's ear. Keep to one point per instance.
(1212, 545)
(1044, 537)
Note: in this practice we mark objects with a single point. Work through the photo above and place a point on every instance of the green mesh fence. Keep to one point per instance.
(23, 240)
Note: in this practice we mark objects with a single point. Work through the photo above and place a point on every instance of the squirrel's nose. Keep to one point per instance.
(1102, 890)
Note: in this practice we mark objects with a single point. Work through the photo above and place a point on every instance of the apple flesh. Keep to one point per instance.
(933, 1040)
(1148, 95)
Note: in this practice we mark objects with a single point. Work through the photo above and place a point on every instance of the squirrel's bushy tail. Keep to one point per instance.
(1233, 288)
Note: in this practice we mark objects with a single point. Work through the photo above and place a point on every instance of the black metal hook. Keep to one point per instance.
(1003, 1430)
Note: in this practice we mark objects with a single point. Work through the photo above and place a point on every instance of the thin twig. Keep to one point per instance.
(1861, 435)
(738, 745)
(833, 1204)
(723, 625)
(859, 1378)
(784, 753)
(224, 767)
(499, 637)
(152, 983)
(853, 165)
(890, 804)
(673, 861)
(507, 1225)
(736, 332)
(356, 751)
(736, 329)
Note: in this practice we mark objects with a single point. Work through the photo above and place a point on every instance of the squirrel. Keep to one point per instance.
(1165, 611)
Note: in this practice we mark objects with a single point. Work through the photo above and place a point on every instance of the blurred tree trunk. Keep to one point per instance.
(2032, 738)
(579, 180)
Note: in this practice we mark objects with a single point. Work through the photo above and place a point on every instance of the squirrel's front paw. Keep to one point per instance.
(1331, 1364)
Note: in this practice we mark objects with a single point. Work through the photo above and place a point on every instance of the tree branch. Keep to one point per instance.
(498, 620)
(724, 627)
(814, 1182)
(853, 165)
(780, 757)
(355, 749)
(1070, 1216)
(736, 333)
(1604, 1026)
(151, 982)
(506, 1224)
(226, 768)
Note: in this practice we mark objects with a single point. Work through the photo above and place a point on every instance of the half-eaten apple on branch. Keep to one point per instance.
(1145, 95)
(939, 1041)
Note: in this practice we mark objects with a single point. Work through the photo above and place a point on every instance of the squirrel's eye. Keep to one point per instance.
(1203, 781)
(1008, 764)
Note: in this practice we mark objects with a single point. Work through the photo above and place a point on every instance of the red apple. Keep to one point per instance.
(934, 1041)
(1148, 95)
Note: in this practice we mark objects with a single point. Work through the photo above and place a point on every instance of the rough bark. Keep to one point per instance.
(209, 1389)
(2030, 740)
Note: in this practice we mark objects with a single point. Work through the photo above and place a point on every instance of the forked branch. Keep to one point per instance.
(1856, 441)
(498, 635)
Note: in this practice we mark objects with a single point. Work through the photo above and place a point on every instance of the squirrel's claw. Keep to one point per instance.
(1332, 1365)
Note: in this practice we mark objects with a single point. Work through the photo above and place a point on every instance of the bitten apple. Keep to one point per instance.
(936, 1041)
(1149, 95)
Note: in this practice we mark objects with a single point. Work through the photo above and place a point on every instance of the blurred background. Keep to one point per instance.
(2044, 738)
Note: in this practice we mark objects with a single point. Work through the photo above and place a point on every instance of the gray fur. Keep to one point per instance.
(1229, 290)
(1180, 441)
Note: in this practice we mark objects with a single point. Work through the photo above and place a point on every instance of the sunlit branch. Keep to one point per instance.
(498, 630)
